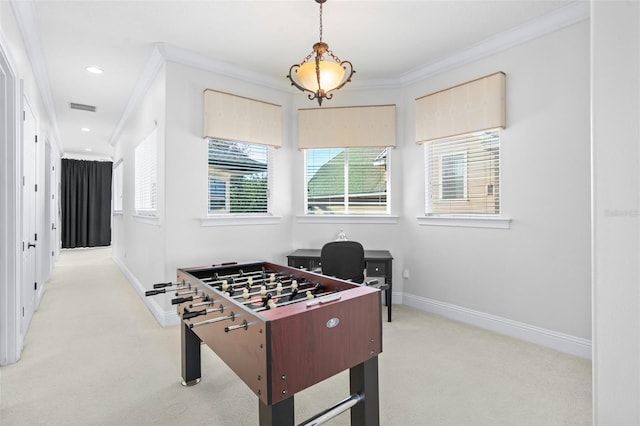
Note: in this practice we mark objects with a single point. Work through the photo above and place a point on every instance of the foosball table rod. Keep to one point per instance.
(364, 402)
(333, 411)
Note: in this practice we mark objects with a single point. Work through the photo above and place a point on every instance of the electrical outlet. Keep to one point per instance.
(405, 273)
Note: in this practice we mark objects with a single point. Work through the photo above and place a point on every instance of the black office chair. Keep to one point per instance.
(345, 260)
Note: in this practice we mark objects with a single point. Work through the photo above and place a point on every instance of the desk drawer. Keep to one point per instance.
(299, 263)
(310, 264)
(376, 269)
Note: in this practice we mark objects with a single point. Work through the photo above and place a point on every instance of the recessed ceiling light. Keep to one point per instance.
(94, 70)
(88, 149)
(85, 129)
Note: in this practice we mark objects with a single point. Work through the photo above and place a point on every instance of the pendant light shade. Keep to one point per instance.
(331, 75)
(320, 74)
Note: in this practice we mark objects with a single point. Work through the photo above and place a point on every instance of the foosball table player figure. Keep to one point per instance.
(282, 330)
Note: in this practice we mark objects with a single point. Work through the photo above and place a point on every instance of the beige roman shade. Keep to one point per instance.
(236, 118)
(347, 127)
(469, 107)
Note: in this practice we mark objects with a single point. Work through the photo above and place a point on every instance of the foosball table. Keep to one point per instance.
(282, 330)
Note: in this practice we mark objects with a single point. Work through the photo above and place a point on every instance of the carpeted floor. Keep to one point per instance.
(94, 355)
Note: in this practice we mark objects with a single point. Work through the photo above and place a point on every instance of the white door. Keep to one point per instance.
(54, 239)
(29, 217)
(48, 250)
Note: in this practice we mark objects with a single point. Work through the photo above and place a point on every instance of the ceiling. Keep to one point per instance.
(385, 41)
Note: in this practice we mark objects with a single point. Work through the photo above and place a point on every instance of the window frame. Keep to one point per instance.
(464, 219)
(146, 176)
(118, 187)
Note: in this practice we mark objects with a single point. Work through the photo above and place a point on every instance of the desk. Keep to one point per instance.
(378, 263)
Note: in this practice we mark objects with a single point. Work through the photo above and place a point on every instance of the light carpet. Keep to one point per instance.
(95, 355)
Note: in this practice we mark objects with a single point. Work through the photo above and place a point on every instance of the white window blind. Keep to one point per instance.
(238, 177)
(117, 187)
(463, 174)
(453, 179)
(146, 185)
(347, 181)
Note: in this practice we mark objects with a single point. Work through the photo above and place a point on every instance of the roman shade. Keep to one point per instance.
(236, 118)
(347, 127)
(469, 107)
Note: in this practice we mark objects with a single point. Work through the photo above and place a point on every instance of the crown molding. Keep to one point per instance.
(199, 61)
(572, 13)
(25, 15)
(154, 64)
(163, 52)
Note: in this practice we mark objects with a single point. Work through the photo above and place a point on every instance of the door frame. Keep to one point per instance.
(11, 341)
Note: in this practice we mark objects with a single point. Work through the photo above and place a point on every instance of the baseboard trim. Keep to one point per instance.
(164, 318)
(561, 342)
(552, 339)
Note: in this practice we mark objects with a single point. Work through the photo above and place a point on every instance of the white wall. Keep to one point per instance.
(188, 242)
(538, 271)
(616, 212)
(139, 245)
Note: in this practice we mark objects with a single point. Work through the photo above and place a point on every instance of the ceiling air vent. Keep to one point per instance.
(82, 107)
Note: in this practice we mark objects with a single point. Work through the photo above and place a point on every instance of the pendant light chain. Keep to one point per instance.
(320, 22)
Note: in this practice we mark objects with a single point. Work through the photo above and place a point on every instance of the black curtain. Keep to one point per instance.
(86, 203)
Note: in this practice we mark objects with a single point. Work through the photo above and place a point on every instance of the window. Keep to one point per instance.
(238, 177)
(117, 187)
(463, 174)
(347, 181)
(146, 185)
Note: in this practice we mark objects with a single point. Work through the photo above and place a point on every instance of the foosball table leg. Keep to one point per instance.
(278, 414)
(190, 343)
(363, 379)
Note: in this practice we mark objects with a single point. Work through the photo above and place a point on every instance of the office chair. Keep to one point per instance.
(345, 260)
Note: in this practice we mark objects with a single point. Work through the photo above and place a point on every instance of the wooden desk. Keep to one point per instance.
(378, 263)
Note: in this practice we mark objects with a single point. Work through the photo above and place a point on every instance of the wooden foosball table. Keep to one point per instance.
(282, 330)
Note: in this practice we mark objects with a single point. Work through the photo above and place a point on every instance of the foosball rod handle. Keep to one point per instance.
(225, 264)
(162, 285)
(193, 314)
(154, 292)
(179, 300)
